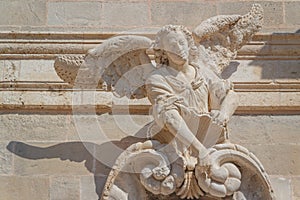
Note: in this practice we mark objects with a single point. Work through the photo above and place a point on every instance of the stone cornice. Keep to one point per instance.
(258, 95)
(62, 101)
(47, 45)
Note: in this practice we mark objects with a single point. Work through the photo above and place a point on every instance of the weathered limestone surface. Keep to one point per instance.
(20, 13)
(74, 13)
(253, 132)
(296, 185)
(125, 14)
(88, 187)
(188, 13)
(292, 14)
(285, 165)
(273, 10)
(64, 187)
(54, 166)
(266, 77)
(34, 128)
(174, 47)
(25, 187)
(245, 71)
(282, 187)
(105, 15)
(262, 129)
(6, 160)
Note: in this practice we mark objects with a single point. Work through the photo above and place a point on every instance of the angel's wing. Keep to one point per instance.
(120, 64)
(219, 38)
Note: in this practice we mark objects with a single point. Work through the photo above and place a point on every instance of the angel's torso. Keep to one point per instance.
(191, 98)
(188, 94)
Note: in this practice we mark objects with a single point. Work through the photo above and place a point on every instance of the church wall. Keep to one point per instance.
(105, 15)
(36, 105)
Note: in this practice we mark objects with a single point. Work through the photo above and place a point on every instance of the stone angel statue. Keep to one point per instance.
(186, 153)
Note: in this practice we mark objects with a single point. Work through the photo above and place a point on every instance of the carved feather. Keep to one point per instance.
(67, 66)
(219, 38)
(120, 64)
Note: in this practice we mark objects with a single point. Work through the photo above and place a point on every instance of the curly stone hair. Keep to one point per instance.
(159, 52)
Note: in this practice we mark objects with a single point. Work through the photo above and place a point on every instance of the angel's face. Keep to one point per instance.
(176, 46)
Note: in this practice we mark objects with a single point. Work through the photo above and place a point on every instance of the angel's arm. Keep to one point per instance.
(223, 100)
(227, 107)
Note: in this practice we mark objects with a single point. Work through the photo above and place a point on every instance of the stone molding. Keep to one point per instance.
(47, 45)
(61, 101)
(58, 95)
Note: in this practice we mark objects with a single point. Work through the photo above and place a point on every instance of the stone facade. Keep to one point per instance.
(105, 15)
(44, 156)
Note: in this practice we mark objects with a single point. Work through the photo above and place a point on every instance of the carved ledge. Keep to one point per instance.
(48, 45)
(60, 100)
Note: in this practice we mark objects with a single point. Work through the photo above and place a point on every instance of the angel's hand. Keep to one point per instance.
(219, 117)
(204, 161)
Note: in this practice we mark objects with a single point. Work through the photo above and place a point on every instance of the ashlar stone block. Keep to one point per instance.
(189, 14)
(91, 187)
(19, 12)
(37, 70)
(6, 160)
(10, 70)
(125, 14)
(282, 188)
(51, 159)
(76, 13)
(33, 127)
(273, 11)
(265, 129)
(24, 187)
(64, 188)
(295, 188)
(292, 14)
(278, 159)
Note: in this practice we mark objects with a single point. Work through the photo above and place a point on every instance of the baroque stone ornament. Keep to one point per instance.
(186, 153)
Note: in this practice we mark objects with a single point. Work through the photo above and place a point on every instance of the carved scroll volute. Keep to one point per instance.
(235, 174)
(153, 167)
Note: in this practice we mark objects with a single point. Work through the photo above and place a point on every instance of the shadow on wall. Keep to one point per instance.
(79, 152)
(279, 58)
(228, 71)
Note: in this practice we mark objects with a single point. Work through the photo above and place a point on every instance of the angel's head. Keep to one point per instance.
(174, 43)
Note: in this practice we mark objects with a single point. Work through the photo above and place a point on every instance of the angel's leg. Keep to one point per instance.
(179, 129)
